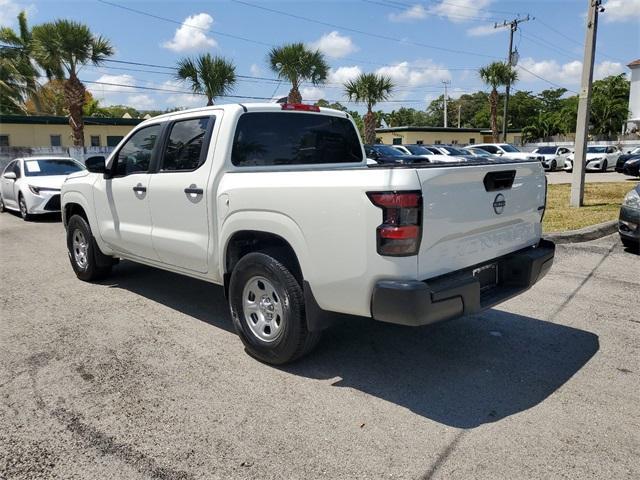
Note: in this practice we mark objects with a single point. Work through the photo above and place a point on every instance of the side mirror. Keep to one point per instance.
(10, 175)
(95, 164)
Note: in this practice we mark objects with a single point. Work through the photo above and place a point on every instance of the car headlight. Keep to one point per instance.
(595, 159)
(36, 190)
(632, 200)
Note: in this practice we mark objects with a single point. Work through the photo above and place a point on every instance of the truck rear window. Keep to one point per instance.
(288, 138)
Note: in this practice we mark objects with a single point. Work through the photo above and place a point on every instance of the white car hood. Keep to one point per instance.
(522, 155)
(49, 181)
(590, 156)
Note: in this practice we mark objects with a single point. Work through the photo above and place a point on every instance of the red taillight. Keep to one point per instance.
(300, 106)
(401, 231)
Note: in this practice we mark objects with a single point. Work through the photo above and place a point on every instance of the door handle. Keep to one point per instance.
(194, 190)
(139, 188)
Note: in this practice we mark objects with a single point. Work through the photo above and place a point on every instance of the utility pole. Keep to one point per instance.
(445, 82)
(459, 110)
(584, 104)
(512, 59)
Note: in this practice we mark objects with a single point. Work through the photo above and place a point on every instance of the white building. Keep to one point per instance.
(634, 96)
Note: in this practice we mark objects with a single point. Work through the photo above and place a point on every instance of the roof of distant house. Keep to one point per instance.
(634, 64)
(59, 120)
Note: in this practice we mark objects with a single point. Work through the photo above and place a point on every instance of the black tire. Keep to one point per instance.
(22, 205)
(554, 165)
(631, 244)
(96, 265)
(293, 339)
(2, 207)
(603, 167)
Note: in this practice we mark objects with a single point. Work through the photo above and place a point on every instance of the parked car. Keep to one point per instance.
(449, 150)
(419, 150)
(629, 220)
(386, 154)
(508, 150)
(31, 185)
(622, 159)
(276, 203)
(599, 158)
(432, 154)
(477, 152)
(554, 157)
(632, 167)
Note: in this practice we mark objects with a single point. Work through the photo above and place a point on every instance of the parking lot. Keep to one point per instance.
(565, 177)
(141, 376)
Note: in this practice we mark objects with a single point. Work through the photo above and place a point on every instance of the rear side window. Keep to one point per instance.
(135, 154)
(184, 147)
(280, 138)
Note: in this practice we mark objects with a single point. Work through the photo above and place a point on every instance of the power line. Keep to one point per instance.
(545, 80)
(360, 32)
(404, 6)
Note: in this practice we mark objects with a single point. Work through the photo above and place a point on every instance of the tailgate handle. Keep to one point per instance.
(501, 180)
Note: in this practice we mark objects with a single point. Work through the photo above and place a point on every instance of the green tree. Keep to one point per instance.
(63, 47)
(297, 64)
(335, 105)
(210, 76)
(495, 75)
(18, 75)
(609, 105)
(370, 89)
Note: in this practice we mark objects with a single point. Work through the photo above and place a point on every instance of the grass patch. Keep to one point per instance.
(602, 203)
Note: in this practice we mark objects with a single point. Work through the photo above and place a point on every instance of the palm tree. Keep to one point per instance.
(210, 76)
(497, 74)
(62, 48)
(17, 74)
(371, 89)
(296, 63)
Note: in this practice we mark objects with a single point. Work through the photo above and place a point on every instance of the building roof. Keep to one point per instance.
(409, 128)
(55, 120)
(634, 64)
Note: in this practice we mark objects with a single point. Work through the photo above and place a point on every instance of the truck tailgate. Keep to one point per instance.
(472, 215)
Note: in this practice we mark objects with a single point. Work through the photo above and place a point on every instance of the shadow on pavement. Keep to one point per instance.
(462, 373)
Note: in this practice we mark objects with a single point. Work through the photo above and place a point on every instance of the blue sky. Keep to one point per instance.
(417, 44)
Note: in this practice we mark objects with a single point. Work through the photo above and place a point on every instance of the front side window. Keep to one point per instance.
(286, 138)
(113, 140)
(509, 148)
(489, 148)
(9, 167)
(46, 167)
(184, 147)
(135, 154)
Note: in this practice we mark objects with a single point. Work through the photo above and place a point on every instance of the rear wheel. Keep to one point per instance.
(2, 207)
(603, 168)
(268, 311)
(87, 261)
(24, 211)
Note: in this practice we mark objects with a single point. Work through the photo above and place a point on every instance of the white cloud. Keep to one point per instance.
(311, 93)
(192, 34)
(334, 44)
(461, 10)
(9, 10)
(255, 70)
(182, 100)
(414, 12)
(111, 83)
(482, 31)
(142, 102)
(622, 11)
(565, 74)
(343, 74)
(421, 73)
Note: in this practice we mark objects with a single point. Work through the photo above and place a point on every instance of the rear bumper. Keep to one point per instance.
(458, 293)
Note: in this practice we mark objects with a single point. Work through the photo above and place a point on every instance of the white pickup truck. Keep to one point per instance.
(277, 203)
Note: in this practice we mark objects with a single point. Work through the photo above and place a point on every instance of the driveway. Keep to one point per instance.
(565, 177)
(141, 376)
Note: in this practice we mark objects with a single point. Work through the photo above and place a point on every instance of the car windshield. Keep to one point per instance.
(509, 148)
(417, 150)
(596, 149)
(43, 167)
(635, 150)
(546, 150)
(453, 151)
(389, 151)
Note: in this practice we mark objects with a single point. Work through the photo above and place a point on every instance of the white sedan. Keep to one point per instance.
(599, 158)
(32, 185)
(554, 157)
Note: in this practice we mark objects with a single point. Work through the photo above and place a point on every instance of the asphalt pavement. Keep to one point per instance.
(595, 177)
(141, 376)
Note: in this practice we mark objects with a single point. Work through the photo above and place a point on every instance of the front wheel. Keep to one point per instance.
(87, 261)
(604, 166)
(554, 165)
(2, 207)
(268, 311)
(24, 211)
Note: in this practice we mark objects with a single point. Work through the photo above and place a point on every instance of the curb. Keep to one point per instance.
(585, 234)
